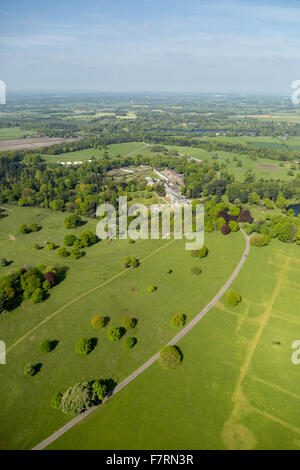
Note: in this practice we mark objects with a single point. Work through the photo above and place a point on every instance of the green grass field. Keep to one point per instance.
(95, 284)
(13, 133)
(114, 150)
(273, 171)
(264, 168)
(237, 387)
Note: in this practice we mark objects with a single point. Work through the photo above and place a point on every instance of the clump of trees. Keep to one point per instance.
(81, 396)
(232, 298)
(169, 357)
(178, 319)
(31, 228)
(77, 399)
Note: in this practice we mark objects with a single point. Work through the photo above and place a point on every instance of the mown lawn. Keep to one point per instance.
(236, 388)
(25, 415)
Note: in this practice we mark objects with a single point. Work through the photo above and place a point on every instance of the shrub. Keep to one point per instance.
(169, 357)
(24, 229)
(201, 253)
(47, 285)
(77, 399)
(45, 346)
(100, 389)
(34, 228)
(114, 334)
(130, 342)
(38, 296)
(88, 238)
(84, 346)
(51, 246)
(98, 321)
(178, 319)
(63, 252)
(31, 280)
(260, 240)
(225, 229)
(72, 221)
(4, 262)
(245, 216)
(134, 262)
(29, 370)
(152, 288)
(131, 241)
(55, 401)
(169, 271)
(221, 222)
(69, 239)
(129, 322)
(232, 298)
(196, 271)
(75, 253)
(233, 225)
(131, 262)
(36, 246)
(51, 277)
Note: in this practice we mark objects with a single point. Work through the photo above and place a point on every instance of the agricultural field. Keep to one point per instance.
(237, 387)
(97, 283)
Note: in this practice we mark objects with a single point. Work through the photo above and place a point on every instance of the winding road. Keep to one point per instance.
(154, 358)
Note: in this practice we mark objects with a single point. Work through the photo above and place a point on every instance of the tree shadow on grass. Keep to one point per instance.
(180, 353)
(111, 385)
(53, 344)
(37, 367)
(94, 342)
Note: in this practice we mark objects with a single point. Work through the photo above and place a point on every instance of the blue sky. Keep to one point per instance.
(150, 45)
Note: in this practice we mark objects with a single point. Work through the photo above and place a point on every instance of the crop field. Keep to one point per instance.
(237, 387)
(98, 283)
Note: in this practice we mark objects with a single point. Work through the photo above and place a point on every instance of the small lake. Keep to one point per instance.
(296, 208)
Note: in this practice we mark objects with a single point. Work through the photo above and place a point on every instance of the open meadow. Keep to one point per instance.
(97, 283)
(237, 387)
